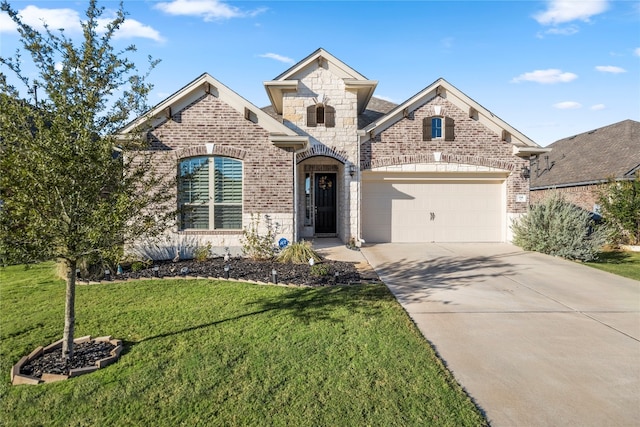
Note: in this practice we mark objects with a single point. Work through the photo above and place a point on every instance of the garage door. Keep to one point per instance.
(397, 208)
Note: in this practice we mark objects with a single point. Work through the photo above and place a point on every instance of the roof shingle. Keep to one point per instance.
(608, 152)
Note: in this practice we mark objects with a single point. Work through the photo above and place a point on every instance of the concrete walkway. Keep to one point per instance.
(535, 340)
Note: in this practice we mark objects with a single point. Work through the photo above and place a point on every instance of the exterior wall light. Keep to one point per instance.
(352, 170)
(525, 172)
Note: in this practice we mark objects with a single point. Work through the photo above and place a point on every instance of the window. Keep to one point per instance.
(321, 114)
(436, 127)
(308, 205)
(210, 193)
(432, 128)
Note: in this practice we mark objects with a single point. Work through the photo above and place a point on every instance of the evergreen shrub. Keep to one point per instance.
(557, 227)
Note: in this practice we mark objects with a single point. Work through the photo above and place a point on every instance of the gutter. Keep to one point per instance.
(577, 184)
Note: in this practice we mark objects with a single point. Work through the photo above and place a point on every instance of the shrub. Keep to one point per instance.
(298, 253)
(259, 246)
(201, 253)
(557, 227)
(620, 204)
(319, 270)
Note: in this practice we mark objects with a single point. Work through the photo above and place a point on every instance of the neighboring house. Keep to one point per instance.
(577, 166)
(326, 158)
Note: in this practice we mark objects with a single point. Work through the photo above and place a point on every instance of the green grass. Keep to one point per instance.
(626, 264)
(220, 353)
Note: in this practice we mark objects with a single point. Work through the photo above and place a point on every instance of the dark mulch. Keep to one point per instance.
(338, 272)
(84, 355)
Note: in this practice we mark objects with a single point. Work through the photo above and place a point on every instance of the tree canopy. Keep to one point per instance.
(71, 186)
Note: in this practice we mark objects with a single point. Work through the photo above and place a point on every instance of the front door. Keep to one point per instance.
(325, 203)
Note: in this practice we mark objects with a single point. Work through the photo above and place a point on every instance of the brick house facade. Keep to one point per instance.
(326, 158)
(577, 166)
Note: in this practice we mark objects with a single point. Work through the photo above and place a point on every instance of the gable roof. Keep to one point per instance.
(288, 81)
(589, 158)
(280, 135)
(522, 145)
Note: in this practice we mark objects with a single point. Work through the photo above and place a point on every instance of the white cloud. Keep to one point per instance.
(209, 10)
(610, 69)
(598, 107)
(549, 76)
(70, 21)
(567, 105)
(56, 19)
(6, 24)
(561, 11)
(564, 31)
(131, 28)
(277, 57)
(637, 51)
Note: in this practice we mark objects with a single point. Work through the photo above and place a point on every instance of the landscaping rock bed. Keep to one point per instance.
(46, 364)
(244, 269)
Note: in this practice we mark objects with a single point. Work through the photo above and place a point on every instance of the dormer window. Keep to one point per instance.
(432, 128)
(320, 114)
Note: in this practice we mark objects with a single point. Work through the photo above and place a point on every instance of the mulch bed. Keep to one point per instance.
(244, 269)
(84, 355)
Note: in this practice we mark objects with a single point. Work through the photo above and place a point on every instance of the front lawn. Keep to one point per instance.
(219, 353)
(625, 264)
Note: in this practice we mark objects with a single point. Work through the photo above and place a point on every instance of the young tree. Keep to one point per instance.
(70, 186)
(620, 205)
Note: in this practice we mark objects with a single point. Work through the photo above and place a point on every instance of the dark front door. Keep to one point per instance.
(325, 190)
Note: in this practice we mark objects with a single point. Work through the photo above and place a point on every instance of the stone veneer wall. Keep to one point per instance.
(339, 142)
(474, 144)
(267, 170)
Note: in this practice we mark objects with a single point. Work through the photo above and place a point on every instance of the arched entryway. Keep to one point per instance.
(321, 199)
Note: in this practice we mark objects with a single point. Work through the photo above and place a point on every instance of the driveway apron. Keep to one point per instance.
(535, 340)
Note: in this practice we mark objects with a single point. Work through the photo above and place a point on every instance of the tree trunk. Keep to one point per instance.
(69, 310)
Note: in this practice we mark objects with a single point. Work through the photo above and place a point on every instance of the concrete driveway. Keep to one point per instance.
(535, 340)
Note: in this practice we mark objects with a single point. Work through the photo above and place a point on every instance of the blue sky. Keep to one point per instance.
(551, 69)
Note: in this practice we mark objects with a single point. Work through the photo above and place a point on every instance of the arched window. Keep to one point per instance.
(210, 193)
(320, 114)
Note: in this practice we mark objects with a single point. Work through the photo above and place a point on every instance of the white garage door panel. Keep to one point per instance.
(463, 211)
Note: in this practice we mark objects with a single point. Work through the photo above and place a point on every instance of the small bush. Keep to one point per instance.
(319, 270)
(298, 253)
(557, 227)
(259, 246)
(139, 265)
(201, 253)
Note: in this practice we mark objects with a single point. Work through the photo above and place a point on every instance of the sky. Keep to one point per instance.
(549, 68)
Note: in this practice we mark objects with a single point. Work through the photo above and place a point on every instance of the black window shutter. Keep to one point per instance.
(329, 117)
(426, 129)
(311, 116)
(449, 134)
